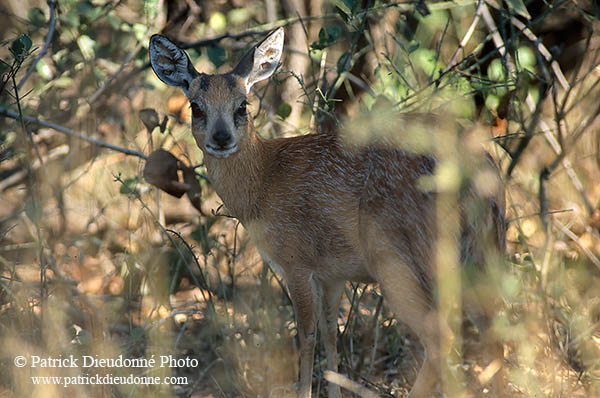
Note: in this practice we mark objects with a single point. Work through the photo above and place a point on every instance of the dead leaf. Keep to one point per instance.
(161, 171)
(149, 117)
(194, 191)
(163, 124)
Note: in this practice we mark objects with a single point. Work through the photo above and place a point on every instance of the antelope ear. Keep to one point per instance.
(170, 63)
(261, 61)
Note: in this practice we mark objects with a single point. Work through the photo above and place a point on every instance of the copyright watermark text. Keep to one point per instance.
(88, 363)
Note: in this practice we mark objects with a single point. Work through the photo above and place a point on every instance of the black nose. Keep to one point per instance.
(222, 138)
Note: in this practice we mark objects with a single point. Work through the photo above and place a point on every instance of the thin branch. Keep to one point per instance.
(102, 144)
(552, 141)
(52, 6)
(564, 229)
(332, 67)
(16, 178)
(108, 82)
(258, 31)
(33, 193)
(541, 49)
(313, 118)
(94, 141)
(496, 37)
(346, 383)
(467, 37)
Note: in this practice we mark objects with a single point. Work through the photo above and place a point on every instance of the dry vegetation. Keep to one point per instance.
(96, 261)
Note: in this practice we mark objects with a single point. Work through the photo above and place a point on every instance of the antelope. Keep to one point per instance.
(319, 212)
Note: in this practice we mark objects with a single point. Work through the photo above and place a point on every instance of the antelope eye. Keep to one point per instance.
(241, 110)
(197, 112)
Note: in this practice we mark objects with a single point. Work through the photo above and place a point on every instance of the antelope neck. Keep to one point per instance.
(238, 178)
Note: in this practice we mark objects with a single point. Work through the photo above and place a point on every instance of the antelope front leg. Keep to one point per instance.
(306, 301)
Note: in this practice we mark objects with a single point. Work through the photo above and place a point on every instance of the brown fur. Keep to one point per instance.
(324, 212)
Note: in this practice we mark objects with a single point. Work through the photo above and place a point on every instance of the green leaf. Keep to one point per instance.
(86, 46)
(413, 46)
(351, 4)
(33, 210)
(333, 32)
(21, 46)
(151, 9)
(526, 58)
(518, 7)
(129, 186)
(62, 82)
(425, 59)
(492, 102)
(327, 36)
(86, 10)
(114, 21)
(238, 16)
(43, 69)
(343, 63)
(216, 55)
(70, 19)
(218, 21)
(139, 30)
(495, 71)
(36, 17)
(284, 110)
(342, 13)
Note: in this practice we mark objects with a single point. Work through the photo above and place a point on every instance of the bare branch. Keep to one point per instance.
(565, 230)
(20, 175)
(316, 100)
(552, 141)
(259, 31)
(540, 47)
(52, 6)
(467, 37)
(102, 144)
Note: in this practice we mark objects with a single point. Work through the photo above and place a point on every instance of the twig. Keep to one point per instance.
(332, 67)
(313, 117)
(346, 383)
(408, 6)
(52, 6)
(108, 82)
(467, 37)
(376, 337)
(552, 141)
(258, 31)
(20, 175)
(496, 37)
(102, 144)
(545, 128)
(541, 48)
(564, 229)
(33, 194)
(126, 62)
